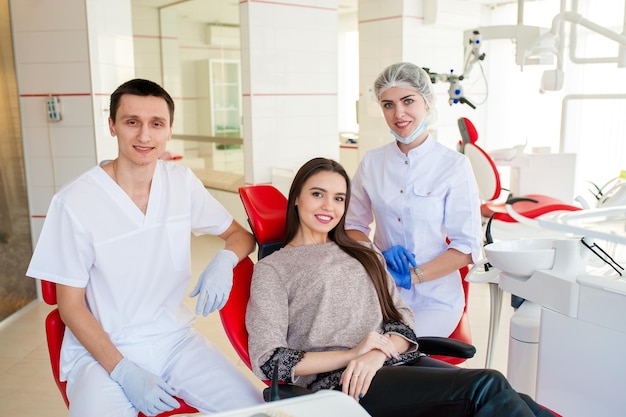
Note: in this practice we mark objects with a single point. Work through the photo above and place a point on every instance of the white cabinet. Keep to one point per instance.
(550, 174)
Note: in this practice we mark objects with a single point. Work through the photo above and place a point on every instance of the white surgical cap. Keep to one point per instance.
(409, 76)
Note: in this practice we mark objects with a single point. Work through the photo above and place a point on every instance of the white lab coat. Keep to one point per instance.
(135, 267)
(417, 201)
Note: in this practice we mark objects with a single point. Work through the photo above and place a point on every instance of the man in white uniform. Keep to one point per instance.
(117, 243)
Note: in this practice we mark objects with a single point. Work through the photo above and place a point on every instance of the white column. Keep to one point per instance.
(381, 39)
(289, 67)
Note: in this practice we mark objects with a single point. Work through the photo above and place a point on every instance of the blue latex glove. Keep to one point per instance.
(402, 280)
(398, 259)
(215, 282)
(149, 393)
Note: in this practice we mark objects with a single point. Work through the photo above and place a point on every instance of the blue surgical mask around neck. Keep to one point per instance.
(420, 129)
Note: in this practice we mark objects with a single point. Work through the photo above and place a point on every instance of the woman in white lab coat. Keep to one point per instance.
(424, 200)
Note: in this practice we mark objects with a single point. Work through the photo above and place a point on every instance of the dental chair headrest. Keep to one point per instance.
(469, 134)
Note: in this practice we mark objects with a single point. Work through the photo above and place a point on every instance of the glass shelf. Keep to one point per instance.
(225, 95)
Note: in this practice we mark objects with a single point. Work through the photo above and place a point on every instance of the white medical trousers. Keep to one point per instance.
(196, 369)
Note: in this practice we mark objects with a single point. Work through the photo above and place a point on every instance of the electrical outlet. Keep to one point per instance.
(53, 108)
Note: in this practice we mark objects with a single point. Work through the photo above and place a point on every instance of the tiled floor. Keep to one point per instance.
(28, 390)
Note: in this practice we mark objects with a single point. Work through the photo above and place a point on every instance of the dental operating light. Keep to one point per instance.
(473, 55)
(535, 46)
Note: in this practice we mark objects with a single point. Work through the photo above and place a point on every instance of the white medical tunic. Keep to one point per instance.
(417, 201)
(135, 267)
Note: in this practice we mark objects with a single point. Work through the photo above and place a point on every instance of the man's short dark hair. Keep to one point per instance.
(140, 87)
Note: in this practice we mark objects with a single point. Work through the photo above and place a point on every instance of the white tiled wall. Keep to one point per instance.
(289, 64)
(79, 51)
(397, 32)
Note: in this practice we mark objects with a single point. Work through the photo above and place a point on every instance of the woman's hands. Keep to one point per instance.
(357, 377)
(371, 353)
(377, 341)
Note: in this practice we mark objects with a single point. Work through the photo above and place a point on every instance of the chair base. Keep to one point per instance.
(285, 391)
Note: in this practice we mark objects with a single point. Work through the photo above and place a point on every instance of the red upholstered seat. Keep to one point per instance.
(462, 331)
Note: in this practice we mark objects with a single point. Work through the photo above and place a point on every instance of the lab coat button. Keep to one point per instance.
(401, 191)
(399, 220)
(406, 162)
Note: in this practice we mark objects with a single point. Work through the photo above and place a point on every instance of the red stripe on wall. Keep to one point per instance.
(57, 94)
(287, 94)
(66, 95)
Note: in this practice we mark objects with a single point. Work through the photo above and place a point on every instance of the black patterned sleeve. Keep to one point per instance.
(403, 330)
(286, 359)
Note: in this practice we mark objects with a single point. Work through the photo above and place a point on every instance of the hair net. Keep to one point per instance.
(406, 75)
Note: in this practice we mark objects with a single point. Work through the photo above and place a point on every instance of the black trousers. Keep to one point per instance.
(433, 388)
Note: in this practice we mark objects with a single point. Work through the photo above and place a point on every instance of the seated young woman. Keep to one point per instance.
(324, 311)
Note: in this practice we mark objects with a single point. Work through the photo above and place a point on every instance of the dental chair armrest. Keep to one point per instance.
(445, 346)
(286, 391)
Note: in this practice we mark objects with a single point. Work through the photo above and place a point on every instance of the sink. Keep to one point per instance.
(521, 257)
(541, 270)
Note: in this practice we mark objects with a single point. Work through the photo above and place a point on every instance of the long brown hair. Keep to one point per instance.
(368, 257)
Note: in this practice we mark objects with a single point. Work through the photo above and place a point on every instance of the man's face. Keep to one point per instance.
(142, 126)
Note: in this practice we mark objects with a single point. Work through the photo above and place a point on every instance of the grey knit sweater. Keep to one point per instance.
(313, 298)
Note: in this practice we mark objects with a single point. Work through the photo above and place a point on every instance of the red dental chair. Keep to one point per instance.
(55, 329)
(489, 186)
(462, 331)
